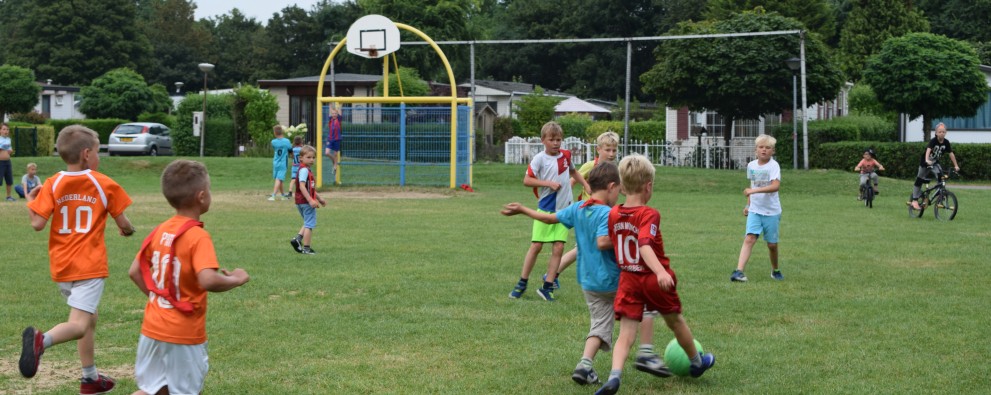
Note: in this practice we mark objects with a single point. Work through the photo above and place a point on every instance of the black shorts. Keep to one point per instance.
(6, 172)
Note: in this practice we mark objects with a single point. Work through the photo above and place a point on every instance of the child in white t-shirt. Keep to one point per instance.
(763, 209)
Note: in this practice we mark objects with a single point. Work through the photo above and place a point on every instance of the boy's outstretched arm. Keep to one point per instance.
(124, 225)
(516, 208)
(221, 280)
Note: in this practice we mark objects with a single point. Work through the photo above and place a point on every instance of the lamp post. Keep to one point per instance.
(205, 68)
(178, 86)
(794, 64)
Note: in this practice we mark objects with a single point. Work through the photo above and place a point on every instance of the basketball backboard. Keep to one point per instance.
(373, 36)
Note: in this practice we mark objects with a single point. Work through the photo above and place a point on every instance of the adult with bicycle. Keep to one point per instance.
(936, 148)
(868, 167)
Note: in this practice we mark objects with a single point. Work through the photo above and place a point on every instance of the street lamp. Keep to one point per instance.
(205, 68)
(178, 86)
(794, 64)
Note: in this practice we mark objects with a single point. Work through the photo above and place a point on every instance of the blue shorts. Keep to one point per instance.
(295, 171)
(767, 225)
(334, 146)
(309, 215)
(279, 172)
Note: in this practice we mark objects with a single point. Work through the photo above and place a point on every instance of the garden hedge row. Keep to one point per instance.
(848, 128)
(901, 160)
(102, 126)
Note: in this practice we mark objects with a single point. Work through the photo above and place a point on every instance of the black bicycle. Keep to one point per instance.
(943, 201)
(867, 192)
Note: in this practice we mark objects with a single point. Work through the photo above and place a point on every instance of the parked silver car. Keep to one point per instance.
(140, 138)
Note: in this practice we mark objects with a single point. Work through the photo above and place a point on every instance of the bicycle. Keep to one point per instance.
(943, 201)
(867, 192)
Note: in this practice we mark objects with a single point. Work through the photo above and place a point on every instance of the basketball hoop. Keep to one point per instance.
(373, 36)
(372, 52)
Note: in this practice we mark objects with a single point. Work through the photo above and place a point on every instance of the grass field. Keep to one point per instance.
(408, 292)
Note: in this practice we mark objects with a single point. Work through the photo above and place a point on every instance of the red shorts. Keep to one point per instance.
(639, 291)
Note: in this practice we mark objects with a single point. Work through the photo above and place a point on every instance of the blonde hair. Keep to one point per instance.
(635, 171)
(609, 138)
(765, 140)
(30, 165)
(307, 149)
(73, 139)
(551, 128)
(182, 180)
(277, 129)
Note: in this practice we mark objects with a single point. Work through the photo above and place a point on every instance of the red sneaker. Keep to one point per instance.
(33, 345)
(101, 385)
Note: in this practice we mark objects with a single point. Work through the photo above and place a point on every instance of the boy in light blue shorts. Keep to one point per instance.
(763, 209)
(281, 147)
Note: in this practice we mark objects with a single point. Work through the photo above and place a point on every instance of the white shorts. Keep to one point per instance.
(83, 294)
(181, 367)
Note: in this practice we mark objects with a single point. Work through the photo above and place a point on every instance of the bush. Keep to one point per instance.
(217, 107)
(33, 117)
(502, 130)
(649, 131)
(103, 127)
(849, 128)
(158, 117)
(574, 124)
(221, 141)
(901, 160)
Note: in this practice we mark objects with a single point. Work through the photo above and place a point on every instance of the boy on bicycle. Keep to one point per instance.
(867, 168)
(938, 146)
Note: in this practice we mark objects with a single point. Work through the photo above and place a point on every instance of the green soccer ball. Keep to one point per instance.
(677, 360)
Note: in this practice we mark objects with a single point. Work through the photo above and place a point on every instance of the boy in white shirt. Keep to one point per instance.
(763, 209)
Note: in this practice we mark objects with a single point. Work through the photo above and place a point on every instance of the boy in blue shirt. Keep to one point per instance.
(281, 146)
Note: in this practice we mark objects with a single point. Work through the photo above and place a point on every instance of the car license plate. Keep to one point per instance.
(126, 139)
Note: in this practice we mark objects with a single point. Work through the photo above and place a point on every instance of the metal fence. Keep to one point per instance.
(709, 152)
(401, 145)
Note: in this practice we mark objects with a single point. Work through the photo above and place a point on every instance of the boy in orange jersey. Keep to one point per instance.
(77, 200)
(176, 267)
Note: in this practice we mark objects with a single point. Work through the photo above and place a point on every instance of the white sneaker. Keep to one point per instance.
(271, 198)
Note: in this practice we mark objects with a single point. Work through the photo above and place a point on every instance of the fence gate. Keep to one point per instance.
(25, 141)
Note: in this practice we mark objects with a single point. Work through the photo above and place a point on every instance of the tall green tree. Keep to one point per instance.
(740, 78)
(120, 93)
(927, 75)
(959, 19)
(18, 90)
(73, 42)
(817, 15)
(178, 42)
(406, 82)
(333, 20)
(293, 44)
(870, 24)
(238, 48)
(535, 109)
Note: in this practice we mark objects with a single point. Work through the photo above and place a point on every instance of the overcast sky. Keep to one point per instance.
(261, 10)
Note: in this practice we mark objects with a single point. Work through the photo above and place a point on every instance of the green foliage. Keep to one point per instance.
(259, 108)
(502, 129)
(161, 101)
(217, 107)
(158, 117)
(738, 78)
(817, 16)
(901, 160)
(245, 64)
(43, 139)
(102, 126)
(863, 101)
(178, 43)
(534, 110)
(18, 91)
(869, 25)
(574, 124)
(406, 82)
(649, 131)
(923, 74)
(221, 141)
(120, 93)
(46, 140)
(32, 117)
(854, 128)
(959, 19)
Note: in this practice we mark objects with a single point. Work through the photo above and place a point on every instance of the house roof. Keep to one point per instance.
(513, 87)
(340, 78)
(62, 88)
(574, 104)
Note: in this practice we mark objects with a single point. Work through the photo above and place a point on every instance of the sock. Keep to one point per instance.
(306, 247)
(647, 348)
(697, 360)
(89, 372)
(615, 373)
(548, 285)
(523, 281)
(298, 237)
(47, 340)
(585, 362)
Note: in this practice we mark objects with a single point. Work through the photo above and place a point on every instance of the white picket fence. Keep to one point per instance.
(707, 152)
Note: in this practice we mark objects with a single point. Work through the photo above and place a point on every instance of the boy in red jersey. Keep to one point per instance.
(307, 201)
(77, 200)
(176, 267)
(645, 279)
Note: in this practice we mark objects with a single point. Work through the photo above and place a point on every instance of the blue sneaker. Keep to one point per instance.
(651, 363)
(738, 276)
(583, 375)
(611, 387)
(518, 291)
(557, 284)
(546, 294)
(708, 360)
(777, 275)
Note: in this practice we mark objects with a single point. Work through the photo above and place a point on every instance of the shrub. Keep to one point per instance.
(901, 160)
(217, 107)
(849, 128)
(649, 131)
(158, 117)
(103, 127)
(33, 117)
(574, 124)
(502, 129)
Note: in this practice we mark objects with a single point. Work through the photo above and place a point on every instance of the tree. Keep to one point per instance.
(293, 45)
(412, 84)
(18, 91)
(238, 48)
(178, 42)
(742, 77)
(869, 24)
(927, 75)
(818, 15)
(120, 93)
(72, 42)
(863, 101)
(959, 19)
(535, 109)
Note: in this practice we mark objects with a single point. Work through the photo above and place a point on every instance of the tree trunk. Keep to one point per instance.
(926, 132)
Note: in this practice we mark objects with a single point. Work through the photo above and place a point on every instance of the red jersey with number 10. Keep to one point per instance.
(306, 179)
(633, 227)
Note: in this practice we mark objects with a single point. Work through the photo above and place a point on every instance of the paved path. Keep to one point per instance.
(982, 187)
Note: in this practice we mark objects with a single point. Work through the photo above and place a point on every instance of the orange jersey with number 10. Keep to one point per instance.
(77, 203)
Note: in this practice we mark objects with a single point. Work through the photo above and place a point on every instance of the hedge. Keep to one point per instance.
(848, 128)
(650, 131)
(901, 160)
(103, 127)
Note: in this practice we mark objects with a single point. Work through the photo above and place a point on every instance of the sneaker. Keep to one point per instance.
(307, 251)
(288, 195)
(877, 192)
(738, 276)
(859, 198)
(518, 291)
(271, 197)
(611, 387)
(557, 284)
(651, 363)
(101, 385)
(708, 360)
(915, 205)
(546, 294)
(10, 199)
(776, 274)
(33, 345)
(296, 245)
(583, 375)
